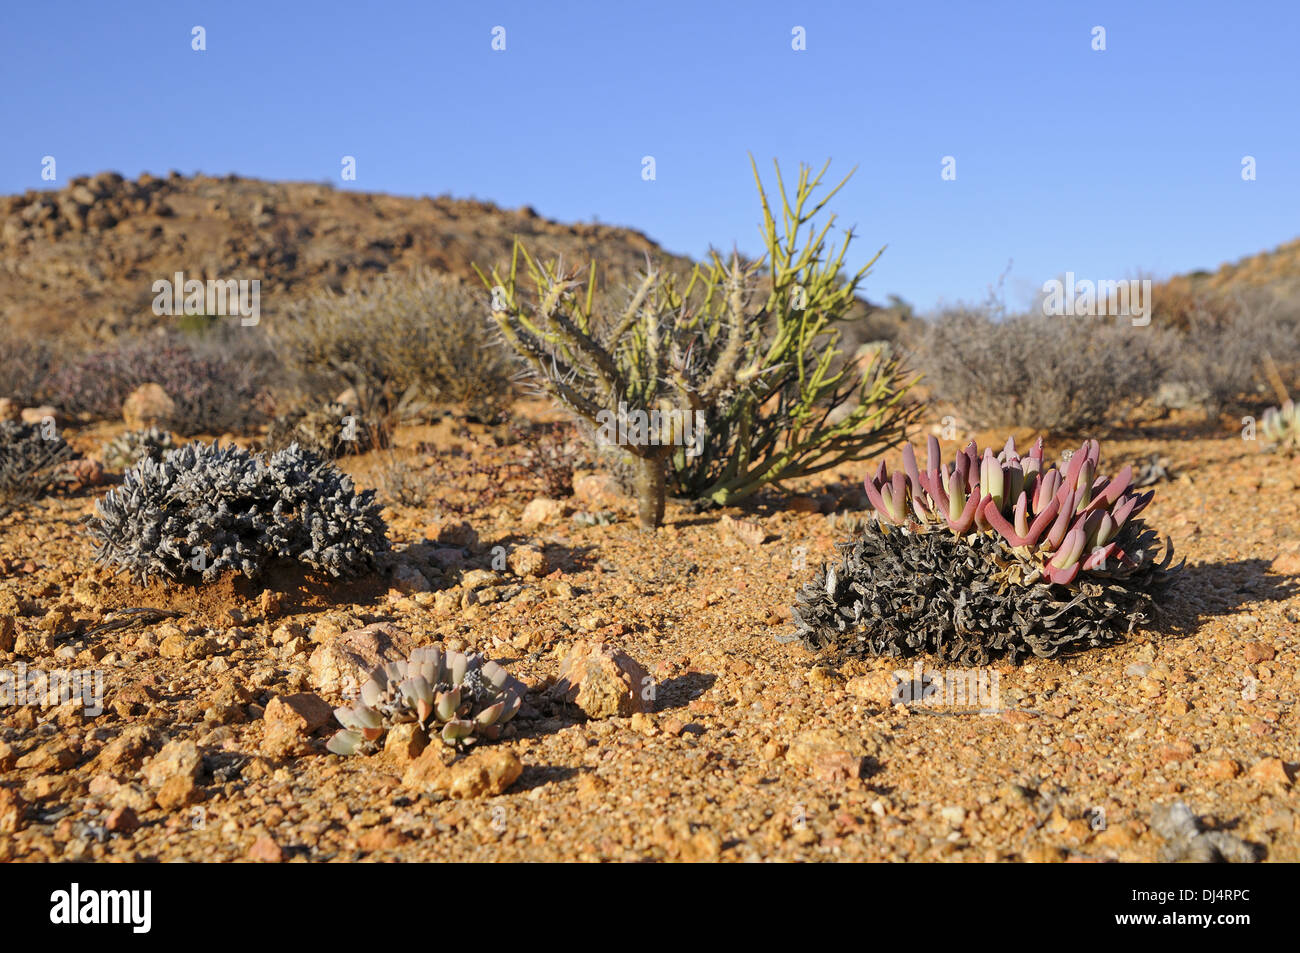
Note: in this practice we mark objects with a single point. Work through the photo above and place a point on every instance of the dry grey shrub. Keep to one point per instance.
(401, 343)
(24, 366)
(30, 459)
(1034, 370)
(404, 483)
(1220, 356)
(205, 509)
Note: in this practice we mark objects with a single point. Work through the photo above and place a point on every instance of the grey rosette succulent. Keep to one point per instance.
(457, 697)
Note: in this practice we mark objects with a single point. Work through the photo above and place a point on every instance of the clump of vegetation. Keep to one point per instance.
(549, 455)
(31, 461)
(400, 344)
(25, 364)
(715, 385)
(1034, 370)
(330, 431)
(405, 483)
(456, 697)
(129, 448)
(987, 556)
(212, 393)
(204, 509)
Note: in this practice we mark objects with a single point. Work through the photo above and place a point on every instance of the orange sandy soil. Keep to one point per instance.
(757, 750)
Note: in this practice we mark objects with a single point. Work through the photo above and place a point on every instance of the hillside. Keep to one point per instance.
(84, 258)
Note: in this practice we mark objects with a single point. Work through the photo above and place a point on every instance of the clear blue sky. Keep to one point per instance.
(1102, 163)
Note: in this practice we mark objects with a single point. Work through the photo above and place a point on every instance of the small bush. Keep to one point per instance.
(330, 431)
(1219, 356)
(404, 342)
(405, 483)
(212, 393)
(1034, 370)
(128, 449)
(24, 367)
(205, 509)
(30, 463)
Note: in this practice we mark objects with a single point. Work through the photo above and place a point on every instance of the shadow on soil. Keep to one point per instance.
(681, 691)
(1218, 589)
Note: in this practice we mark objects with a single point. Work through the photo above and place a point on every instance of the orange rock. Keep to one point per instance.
(1270, 770)
(266, 850)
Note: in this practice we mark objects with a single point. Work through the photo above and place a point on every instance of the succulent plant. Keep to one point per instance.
(31, 462)
(206, 508)
(129, 448)
(457, 697)
(331, 430)
(1000, 553)
(1281, 427)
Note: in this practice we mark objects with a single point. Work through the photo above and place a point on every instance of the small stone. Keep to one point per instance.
(266, 850)
(1270, 771)
(484, 772)
(290, 720)
(124, 754)
(55, 755)
(1287, 564)
(954, 815)
(10, 410)
(603, 682)
(408, 579)
(1257, 652)
(177, 791)
(597, 490)
(528, 562)
(176, 758)
(345, 661)
(405, 742)
(830, 754)
(38, 415)
(122, 820)
(540, 512)
(12, 809)
(271, 604)
(1224, 769)
(149, 406)
(479, 579)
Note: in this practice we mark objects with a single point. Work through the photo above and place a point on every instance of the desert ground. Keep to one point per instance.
(217, 706)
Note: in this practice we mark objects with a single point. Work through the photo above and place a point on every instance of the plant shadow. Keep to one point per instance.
(1210, 590)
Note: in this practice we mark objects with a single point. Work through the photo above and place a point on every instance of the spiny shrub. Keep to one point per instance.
(989, 555)
(204, 509)
(129, 448)
(458, 698)
(329, 431)
(212, 394)
(1046, 372)
(401, 343)
(31, 459)
(720, 384)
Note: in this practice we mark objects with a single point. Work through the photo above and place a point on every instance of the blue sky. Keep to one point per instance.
(1103, 163)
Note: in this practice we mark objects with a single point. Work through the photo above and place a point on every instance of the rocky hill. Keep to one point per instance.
(82, 260)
